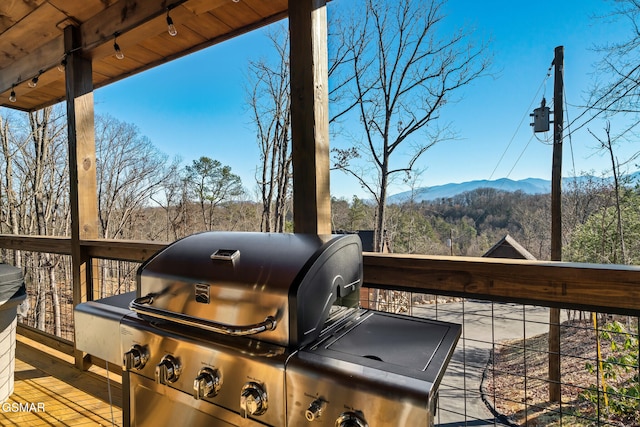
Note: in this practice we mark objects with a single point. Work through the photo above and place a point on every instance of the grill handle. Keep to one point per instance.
(140, 306)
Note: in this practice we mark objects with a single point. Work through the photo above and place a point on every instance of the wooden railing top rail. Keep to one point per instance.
(54, 245)
(598, 287)
(124, 250)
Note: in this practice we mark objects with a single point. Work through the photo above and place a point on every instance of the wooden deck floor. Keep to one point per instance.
(50, 391)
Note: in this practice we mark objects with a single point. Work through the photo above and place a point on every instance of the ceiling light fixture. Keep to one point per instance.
(63, 64)
(34, 81)
(116, 47)
(12, 96)
(170, 27)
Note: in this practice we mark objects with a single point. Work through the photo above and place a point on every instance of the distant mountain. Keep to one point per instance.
(527, 186)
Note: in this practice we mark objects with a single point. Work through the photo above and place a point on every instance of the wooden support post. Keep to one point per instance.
(82, 167)
(310, 116)
(555, 392)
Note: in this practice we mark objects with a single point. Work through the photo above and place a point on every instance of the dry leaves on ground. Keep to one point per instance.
(516, 384)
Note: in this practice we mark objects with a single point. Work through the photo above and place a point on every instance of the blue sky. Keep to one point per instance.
(195, 106)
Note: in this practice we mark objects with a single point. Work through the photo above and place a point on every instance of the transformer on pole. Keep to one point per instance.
(541, 117)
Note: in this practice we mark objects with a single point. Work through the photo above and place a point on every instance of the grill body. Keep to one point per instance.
(264, 329)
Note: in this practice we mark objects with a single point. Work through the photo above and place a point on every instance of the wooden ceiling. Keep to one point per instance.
(32, 40)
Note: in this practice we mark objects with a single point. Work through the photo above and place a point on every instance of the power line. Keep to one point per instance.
(569, 133)
(602, 97)
(546, 140)
(520, 156)
(543, 84)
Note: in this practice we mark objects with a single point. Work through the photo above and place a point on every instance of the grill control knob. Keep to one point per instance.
(168, 370)
(207, 383)
(253, 399)
(315, 410)
(135, 358)
(351, 419)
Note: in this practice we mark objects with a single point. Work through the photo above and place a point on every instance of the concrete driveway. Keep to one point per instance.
(484, 323)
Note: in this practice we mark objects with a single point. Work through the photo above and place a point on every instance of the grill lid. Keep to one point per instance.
(277, 287)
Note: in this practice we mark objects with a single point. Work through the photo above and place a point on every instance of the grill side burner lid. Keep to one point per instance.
(277, 287)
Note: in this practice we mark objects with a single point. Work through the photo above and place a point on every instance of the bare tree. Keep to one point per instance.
(8, 196)
(49, 184)
(614, 96)
(270, 99)
(35, 186)
(173, 198)
(396, 75)
(616, 90)
(608, 145)
(619, 92)
(130, 169)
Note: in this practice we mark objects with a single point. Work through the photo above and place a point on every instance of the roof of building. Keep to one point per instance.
(507, 247)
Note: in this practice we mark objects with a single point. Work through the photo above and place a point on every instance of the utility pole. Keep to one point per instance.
(556, 219)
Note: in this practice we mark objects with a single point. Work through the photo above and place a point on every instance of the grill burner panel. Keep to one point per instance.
(239, 361)
(154, 405)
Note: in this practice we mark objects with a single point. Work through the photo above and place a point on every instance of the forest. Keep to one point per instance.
(142, 195)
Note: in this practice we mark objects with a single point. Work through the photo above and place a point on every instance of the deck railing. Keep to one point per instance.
(498, 372)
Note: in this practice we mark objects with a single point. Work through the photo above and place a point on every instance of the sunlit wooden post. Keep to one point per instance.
(82, 166)
(310, 116)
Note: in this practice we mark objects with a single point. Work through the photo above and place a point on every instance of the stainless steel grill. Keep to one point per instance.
(255, 329)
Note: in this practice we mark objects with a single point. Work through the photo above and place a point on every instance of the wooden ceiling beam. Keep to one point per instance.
(32, 40)
(198, 7)
(119, 17)
(43, 58)
(41, 26)
(12, 12)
